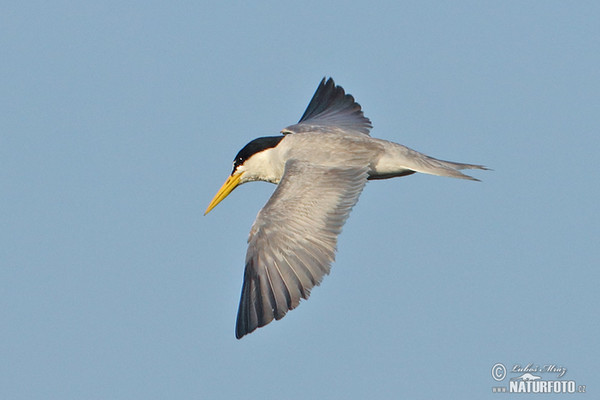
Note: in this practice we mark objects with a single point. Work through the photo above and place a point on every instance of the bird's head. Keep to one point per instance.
(254, 162)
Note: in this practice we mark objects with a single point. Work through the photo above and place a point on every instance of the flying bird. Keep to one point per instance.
(320, 166)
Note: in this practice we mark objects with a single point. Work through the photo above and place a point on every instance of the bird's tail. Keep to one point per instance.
(452, 169)
(400, 160)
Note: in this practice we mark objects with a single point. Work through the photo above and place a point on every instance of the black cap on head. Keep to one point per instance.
(255, 146)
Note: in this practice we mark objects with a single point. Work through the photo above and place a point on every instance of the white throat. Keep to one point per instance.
(266, 165)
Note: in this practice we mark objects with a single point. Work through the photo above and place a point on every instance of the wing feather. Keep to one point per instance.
(332, 110)
(293, 240)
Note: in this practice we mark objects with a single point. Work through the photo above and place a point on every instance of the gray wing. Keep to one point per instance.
(331, 110)
(293, 240)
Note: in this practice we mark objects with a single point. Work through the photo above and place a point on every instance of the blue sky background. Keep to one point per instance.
(119, 121)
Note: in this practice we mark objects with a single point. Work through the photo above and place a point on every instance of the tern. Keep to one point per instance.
(320, 166)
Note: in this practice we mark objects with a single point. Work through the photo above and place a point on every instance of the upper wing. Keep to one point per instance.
(331, 110)
(293, 240)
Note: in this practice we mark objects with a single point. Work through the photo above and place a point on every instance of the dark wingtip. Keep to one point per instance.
(318, 103)
(332, 106)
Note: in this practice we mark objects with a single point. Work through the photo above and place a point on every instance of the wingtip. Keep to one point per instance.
(242, 329)
(327, 81)
(332, 106)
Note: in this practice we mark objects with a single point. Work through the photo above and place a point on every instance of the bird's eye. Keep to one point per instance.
(236, 163)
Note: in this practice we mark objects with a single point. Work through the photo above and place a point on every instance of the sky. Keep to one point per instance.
(119, 121)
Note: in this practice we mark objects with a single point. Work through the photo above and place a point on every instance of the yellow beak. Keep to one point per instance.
(231, 183)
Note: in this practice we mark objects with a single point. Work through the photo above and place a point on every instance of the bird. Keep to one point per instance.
(320, 166)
